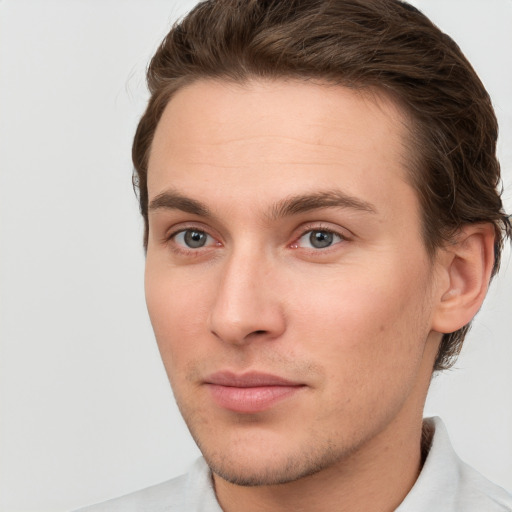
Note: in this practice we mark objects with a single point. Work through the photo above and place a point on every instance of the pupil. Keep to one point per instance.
(320, 239)
(195, 239)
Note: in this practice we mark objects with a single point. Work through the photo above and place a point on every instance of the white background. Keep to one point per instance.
(86, 411)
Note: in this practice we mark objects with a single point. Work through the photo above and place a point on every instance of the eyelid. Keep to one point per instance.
(185, 226)
(182, 234)
(343, 233)
(324, 226)
(171, 233)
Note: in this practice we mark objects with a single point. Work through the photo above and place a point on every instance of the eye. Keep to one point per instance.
(319, 239)
(193, 238)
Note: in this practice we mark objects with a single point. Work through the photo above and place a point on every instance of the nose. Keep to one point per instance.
(247, 304)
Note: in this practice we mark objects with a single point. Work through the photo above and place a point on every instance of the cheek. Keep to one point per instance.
(177, 311)
(363, 321)
(369, 339)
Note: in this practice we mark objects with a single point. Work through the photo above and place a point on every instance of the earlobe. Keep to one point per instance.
(466, 265)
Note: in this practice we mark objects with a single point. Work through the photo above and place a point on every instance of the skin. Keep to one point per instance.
(354, 323)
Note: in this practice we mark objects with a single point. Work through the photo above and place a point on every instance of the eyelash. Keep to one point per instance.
(319, 228)
(182, 249)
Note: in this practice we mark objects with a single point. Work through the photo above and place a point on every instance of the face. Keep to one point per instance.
(287, 282)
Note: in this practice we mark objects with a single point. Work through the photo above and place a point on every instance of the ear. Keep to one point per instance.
(466, 266)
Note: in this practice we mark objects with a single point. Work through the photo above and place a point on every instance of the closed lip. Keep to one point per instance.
(250, 392)
(249, 380)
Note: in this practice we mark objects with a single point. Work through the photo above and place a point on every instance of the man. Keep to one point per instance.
(318, 181)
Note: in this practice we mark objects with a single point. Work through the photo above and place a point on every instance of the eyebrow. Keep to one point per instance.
(289, 206)
(171, 200)
(327, 199)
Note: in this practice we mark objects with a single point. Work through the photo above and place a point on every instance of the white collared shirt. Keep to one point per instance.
(445, 484)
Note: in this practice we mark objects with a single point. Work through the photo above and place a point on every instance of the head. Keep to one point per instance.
(387, 46)
(250, 266)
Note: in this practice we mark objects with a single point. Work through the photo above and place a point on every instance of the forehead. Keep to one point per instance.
(269, 138)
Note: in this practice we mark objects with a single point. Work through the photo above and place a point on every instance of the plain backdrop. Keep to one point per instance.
(86, 410)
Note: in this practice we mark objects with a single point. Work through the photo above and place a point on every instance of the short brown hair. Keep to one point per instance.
(384, 44)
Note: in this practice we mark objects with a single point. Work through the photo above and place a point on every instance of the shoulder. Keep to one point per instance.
(447, 483)
(191, 492)
(155, 498)
(477, 491)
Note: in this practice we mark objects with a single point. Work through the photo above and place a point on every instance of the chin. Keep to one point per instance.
(269, 472)
(255, 464)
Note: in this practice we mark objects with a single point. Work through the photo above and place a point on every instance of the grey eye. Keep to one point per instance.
(191, 238)
(319, 239)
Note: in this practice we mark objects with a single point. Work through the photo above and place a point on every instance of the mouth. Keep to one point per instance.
(250, 393)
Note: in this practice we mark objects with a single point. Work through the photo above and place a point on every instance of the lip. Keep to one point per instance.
(250, 392)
